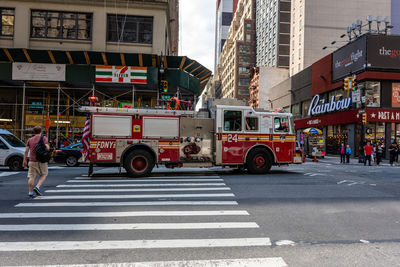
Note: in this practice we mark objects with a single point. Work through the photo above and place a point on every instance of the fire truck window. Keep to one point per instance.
(232, 120)
(251, 124)
(281, 124)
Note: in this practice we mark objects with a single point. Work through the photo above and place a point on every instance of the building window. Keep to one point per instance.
(130, 29)
(305, 106)
(7, 22)
(248, 37)
(61, 25)
(244, 82)
(244, 70)
(248, 26)
(244, 49)
(372, 94)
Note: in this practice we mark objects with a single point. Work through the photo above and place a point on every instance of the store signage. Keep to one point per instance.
(349, 59)
(396, 95)
(38, 72)
(121, 74)
(384, 52)
(320, 107)
(356, 96)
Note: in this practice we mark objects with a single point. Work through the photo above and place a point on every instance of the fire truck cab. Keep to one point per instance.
(224, 135)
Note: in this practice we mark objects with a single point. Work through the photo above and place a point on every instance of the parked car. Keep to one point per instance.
(69, 154)
(11, 151)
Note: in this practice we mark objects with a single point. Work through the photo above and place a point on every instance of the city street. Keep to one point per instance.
(314, 214)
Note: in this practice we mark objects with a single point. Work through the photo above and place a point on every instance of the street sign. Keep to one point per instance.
(363, 99)
(356, 96)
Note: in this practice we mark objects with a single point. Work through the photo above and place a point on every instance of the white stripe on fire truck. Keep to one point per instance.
(135, 196)
(127, 226)
(141, 190)
(139, 185)
(124, 214)
(132, 203)
(146, 180)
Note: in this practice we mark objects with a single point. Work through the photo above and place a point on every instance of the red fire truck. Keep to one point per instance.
(223, 135)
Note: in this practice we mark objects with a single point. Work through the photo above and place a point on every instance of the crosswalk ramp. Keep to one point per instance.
(154, 213)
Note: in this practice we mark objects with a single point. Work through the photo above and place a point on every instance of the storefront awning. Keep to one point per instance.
(195, 74)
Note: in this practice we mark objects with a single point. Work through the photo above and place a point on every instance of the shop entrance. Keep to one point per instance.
(336, 135)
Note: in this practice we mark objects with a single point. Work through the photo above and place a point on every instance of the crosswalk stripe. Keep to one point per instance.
(55, 167)
(124, 214)
(135, 196)
(139, 190)
(2, 174)
(145, 180)
(251, 262)
(140, 185)
(155, 177)
(127, 226)
(133, 244)
(133, 203)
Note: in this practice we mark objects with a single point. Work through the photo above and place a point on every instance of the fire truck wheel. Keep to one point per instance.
(139, 163)
(258, 161)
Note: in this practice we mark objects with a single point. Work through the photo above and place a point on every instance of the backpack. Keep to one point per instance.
(42, 154)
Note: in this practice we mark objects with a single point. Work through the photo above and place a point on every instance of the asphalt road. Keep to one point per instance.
(314, 214)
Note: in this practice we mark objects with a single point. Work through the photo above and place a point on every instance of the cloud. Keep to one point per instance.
(197, 26)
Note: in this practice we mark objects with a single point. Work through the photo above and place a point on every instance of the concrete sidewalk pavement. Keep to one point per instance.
(335, 159)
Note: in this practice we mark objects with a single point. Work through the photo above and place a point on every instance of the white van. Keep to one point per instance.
(11, 151)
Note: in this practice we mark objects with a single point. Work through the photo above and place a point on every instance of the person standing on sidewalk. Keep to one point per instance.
(348, 153)
(35, 167)
(393, 151)
(368, 153)
(342, 153)
(379, 153)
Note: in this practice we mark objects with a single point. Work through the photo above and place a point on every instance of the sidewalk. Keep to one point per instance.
(335, 159)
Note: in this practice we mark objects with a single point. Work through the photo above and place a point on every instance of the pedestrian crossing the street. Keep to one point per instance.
(188, 211)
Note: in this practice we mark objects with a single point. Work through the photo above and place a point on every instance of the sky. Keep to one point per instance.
(197, 29)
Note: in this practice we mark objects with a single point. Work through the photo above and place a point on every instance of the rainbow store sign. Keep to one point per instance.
(320, 107)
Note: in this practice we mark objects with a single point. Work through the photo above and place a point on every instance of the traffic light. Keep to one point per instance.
(164, 86)
(354, 85)
(364, 118)
(346, 84)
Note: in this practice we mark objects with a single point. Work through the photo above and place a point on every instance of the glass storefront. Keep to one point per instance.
(335, 136)
(395, 137)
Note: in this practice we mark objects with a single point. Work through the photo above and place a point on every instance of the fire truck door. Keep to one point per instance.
(282, 141)
(231, 148)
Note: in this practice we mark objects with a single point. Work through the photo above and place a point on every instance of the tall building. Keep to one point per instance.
(238, 53)
(225, 9)
(54, 54)
(316, 23)
(273, 33)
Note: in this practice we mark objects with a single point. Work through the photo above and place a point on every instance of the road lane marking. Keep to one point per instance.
(127, 226)
(150, 178)
(145, 180)
(134, 244)
(140, 185)
(140, 190)
(133, 203)
(251, 262)
(124, 214)
(134, 196)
